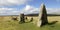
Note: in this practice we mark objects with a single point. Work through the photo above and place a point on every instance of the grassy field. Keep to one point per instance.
(14, 25)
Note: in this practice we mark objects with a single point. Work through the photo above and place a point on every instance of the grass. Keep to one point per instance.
(14, 25)
(51, 27)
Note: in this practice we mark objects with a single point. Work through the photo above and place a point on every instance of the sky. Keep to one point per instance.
(15, 7)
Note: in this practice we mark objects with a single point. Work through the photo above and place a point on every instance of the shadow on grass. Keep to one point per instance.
(26, 22)
(23, 22)
(54, 22)
(51, 24)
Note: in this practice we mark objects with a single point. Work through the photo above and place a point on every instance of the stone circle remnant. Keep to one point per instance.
(22, 19)
(42, 16)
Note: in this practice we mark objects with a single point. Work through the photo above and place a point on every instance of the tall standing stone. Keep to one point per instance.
(22, 19)
(42, 16)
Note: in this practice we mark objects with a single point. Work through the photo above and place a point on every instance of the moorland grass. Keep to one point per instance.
(14, 25)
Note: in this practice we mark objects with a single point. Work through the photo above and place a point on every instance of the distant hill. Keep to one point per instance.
(38, 14)
(53, 14)
(33, 15)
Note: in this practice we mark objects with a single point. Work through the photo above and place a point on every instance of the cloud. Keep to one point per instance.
(53, 10)
(29, 9)
(14, 11)
(13, 2)
(9, 11)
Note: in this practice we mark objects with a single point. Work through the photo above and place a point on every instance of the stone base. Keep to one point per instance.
(38, 23)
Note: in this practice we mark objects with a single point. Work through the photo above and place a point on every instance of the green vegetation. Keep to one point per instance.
(14, 25)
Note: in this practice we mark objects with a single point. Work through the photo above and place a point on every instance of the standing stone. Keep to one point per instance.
(26, 18)
(22, 20)
(14, 18)
(42, 16)
(31, 19)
